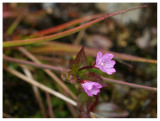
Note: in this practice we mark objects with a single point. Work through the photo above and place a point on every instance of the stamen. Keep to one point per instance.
(102, 64)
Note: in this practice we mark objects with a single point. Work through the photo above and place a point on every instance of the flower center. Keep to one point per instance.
(102, 64)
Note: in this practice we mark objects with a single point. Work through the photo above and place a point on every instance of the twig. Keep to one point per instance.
(36, 91)
(51, 74)
(41, 86)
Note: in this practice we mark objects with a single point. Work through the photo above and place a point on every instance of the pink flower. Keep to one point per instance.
(91, 88)
(104, 63)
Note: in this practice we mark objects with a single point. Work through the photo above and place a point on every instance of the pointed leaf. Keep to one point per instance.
(79, 61)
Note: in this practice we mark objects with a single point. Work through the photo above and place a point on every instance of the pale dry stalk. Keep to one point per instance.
(50, 73)
(39, 85)
(35, 90)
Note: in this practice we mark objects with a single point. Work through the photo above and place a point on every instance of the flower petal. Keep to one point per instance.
(109, 64)
(91, 88)
(98, 58)
(99, 54)
(95, 90)
(97, 85)
(107, 57)
(105, 63)
(110, 70)
(89, 93)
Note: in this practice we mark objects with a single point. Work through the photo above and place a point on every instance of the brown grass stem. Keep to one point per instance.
(36, 91)
(60, 69)
(42, 66)
(129, 84)
(39, 85)
(43, 87)
(50, 73)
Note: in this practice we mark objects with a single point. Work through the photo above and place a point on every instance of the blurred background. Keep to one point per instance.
(132, 33)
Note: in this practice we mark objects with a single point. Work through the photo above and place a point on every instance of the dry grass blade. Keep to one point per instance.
(129, 84)
(51, 74)
(36, 91)
(41, 86)
(57, 48)
(107, 79)
(51, 114)
(14, 24)
(64, 33)
(43, 66)
(66, 25)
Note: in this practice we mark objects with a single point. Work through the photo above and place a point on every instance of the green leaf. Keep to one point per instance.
(78, 62)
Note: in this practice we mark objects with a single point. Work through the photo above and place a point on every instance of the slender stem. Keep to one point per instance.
(51, 114)
(43, 66)
(36, 91)
(78, 78)
(85, 67)
(41, 86)
(14, 24)
(50, 73)
(60, 69)
(64, 33)
(70, 107)
(95, 103)
(129, 84)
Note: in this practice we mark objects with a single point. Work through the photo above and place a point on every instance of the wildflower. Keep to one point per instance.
(104, 63)
(91, 88)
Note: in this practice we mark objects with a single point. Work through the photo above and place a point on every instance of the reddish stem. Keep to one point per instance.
(94, 104)
(85, 67)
